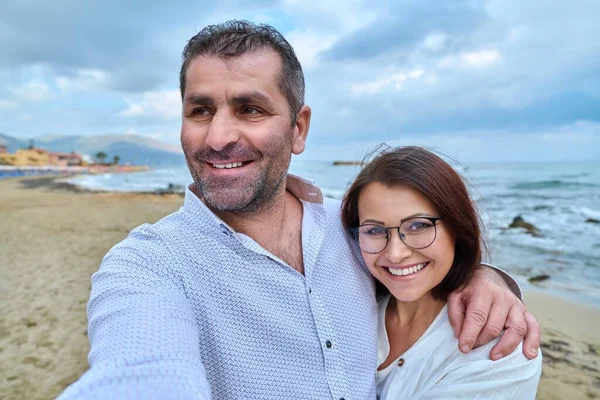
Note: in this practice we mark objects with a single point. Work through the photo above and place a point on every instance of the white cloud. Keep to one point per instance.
(580, 132)
(308, 44)
(347, 15)
(164, 104)
(481, 58)
(8, 104)
(435, 41)
(33, 92)
(84, 79)
(471, 59)
(395, 80)
(569, 142)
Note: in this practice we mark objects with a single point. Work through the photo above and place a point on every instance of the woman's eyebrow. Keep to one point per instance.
(417, 215)
(372, 221)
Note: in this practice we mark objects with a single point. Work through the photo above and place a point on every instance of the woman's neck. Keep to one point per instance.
(413, 314)
(406, 322)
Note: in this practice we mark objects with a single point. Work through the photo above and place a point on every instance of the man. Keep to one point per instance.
(252, 289)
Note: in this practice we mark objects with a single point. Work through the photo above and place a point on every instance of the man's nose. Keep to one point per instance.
(222, 131)
(396, 249)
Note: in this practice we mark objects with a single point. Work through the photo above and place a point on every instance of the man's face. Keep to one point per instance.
(236, 130)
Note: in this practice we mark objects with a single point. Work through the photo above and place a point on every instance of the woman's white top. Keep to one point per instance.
(434, 367)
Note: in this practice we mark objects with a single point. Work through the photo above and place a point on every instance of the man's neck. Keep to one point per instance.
(276, 227)
(268, 218)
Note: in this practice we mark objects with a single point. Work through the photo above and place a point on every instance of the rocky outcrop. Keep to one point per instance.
(347, 163)
(519, 222)
(539, 278)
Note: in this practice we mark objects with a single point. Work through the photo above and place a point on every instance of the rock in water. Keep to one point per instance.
(519, 222)
(539, 278)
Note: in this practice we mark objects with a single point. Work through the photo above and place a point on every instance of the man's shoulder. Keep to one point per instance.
(151, 240)
(333, 207)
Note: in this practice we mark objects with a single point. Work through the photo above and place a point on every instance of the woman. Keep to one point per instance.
(419, 235)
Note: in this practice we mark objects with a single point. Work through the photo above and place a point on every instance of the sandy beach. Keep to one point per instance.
(53, 237)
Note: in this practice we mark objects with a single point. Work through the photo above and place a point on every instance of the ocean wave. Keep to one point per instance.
(585, 212)
(528, 196)
(574, 176)
(553, 184)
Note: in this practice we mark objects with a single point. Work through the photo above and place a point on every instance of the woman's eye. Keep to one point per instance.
(419, 226)
(375, 231)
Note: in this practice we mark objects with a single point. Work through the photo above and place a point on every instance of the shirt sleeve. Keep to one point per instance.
(143, 334)
(510, 281)
(512, 377)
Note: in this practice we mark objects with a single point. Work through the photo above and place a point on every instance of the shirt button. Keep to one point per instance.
(401, 362)
(328, 344)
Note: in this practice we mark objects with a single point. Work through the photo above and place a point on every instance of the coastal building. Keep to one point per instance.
(66, 159)
(40, 157)
(32, 156)
(5, 157)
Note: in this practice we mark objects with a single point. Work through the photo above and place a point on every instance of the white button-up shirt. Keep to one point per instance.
(187, 308)
(434, 368)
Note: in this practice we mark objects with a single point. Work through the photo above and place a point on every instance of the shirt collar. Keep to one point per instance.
(304, 189)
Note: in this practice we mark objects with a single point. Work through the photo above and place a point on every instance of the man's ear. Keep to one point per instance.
(301, 129)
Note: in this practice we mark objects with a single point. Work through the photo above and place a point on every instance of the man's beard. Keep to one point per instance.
(245, 194)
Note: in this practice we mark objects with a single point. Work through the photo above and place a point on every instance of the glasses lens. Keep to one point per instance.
(372, 238)
(418, 232)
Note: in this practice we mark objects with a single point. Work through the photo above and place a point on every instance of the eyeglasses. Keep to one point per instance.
(417, 233)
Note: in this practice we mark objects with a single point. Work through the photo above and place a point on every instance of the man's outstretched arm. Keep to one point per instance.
(485, 308)
(143, 334)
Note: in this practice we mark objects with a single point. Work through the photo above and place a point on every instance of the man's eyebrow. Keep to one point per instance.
(250, 98)
(199, 100)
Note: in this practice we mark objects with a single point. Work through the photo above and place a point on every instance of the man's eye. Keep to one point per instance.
(251, 111)
(200, 111)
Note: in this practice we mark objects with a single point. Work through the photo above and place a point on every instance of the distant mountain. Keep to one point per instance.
(131, 149)
(12, 143)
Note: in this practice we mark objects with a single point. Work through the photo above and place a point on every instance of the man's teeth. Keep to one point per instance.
(407, 271)
(229, 165)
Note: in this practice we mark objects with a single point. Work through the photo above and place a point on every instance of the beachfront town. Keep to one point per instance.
(38, 161)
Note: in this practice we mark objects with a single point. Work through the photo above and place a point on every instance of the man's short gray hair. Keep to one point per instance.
(235, 38)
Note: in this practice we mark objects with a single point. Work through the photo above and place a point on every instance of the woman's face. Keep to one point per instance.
(409, 274)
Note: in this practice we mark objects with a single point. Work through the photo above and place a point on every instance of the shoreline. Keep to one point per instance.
(59, 183)
(58, 235)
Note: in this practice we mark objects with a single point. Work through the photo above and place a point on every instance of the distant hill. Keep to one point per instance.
(131, 149)
(12, 143)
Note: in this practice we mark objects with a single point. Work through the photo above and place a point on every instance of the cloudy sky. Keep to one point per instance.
(498, 80)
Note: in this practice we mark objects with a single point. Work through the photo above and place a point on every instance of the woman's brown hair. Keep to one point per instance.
(425, 172)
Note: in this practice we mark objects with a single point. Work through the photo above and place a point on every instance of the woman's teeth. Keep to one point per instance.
(407, 271)
(229, 165)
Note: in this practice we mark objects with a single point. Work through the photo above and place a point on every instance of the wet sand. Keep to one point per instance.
(53, 237)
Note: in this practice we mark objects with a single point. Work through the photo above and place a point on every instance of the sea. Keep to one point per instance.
(561, 199)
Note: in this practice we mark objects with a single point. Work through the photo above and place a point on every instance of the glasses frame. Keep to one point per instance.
(433, 220)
